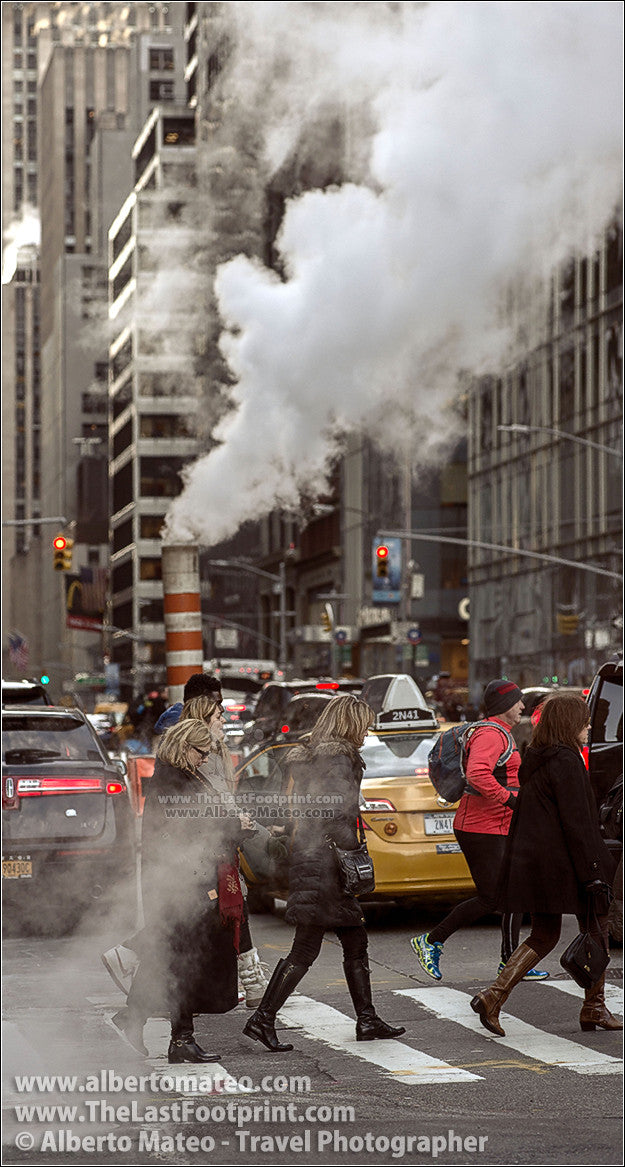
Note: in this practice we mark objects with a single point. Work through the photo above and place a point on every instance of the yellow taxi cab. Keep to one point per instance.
(409, 831)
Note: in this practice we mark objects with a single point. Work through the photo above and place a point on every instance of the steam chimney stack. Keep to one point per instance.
(183, 616)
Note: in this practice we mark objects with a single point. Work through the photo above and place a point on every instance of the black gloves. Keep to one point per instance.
(600, 895)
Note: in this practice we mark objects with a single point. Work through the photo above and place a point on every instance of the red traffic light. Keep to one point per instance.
(60, 543)
(382, 552)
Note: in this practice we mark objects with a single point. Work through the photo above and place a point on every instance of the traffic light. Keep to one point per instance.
(381, 561)
(62, 548)
(327, 618)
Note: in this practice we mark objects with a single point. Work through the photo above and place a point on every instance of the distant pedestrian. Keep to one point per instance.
(198, 685)
(481, 826)
(556, 859)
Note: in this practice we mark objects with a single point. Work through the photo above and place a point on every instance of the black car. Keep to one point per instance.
(272, 710)
(605, 740)
(24, 693)
(68, 826)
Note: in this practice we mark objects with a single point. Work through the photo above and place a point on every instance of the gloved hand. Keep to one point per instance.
(600, 894)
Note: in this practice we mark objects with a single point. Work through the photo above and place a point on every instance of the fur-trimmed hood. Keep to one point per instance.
(305, 753)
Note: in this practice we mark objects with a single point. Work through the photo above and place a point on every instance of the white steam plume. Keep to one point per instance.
(24, 231)
(493, 153)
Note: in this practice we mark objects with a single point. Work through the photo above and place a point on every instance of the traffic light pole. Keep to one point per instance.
(280, 580)
(417, 535)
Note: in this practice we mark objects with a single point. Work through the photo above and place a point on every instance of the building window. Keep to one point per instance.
(151, 526)
(165, 425)
(161, 91)
(161, 60)
(150, 569)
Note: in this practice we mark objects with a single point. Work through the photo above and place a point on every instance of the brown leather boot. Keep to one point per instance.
(489, 1001)
(595, 1012)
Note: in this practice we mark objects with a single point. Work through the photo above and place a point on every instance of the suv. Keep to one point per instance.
(24, 693)
(273, 702)
(68, 827)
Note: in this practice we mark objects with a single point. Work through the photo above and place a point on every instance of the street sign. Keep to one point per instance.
(340, 636)
(414, 635)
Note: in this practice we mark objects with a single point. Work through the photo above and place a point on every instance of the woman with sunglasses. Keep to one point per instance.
(192, 899)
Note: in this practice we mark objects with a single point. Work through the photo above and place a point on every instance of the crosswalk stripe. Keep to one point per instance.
(401, 1061)
(453, 1005)
(613, 995)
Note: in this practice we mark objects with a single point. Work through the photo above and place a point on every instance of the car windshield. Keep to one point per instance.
(396, 755)
(47, 739)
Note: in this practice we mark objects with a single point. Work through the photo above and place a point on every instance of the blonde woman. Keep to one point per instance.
(192, 901)
(218, 770)
(327, 772)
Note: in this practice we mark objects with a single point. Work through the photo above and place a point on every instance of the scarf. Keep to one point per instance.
(230, 899)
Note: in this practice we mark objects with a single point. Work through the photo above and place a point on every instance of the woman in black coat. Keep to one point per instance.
(192, 899)
(555, 856)
(326, 773)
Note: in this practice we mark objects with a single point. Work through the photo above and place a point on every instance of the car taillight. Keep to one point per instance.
(114, 787)
(235, 708)
(327, 685)
(378, 804)
(285, 729)
(29, 787)
(585, 756)
(421, 771)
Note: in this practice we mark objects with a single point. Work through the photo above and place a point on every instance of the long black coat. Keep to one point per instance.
(188, 960)
(329, 776)
(554, 846)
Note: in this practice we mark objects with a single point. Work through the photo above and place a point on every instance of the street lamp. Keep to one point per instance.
(519, 428)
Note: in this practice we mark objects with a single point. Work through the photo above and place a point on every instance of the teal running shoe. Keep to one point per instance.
(428, 955)
(534, 974)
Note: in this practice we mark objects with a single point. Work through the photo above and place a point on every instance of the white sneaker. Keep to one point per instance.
(252, 978)
(121, 964)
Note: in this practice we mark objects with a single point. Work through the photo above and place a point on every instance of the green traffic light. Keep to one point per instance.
(44, 680)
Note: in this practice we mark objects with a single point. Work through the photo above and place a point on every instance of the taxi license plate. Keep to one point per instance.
(439, 824)
(17, 868)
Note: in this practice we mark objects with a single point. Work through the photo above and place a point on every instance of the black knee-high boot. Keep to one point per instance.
(261, 1025)
(368, 1024)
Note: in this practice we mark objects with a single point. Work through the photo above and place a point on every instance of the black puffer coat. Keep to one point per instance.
(554, 846)
(326, 781)
(188, 960)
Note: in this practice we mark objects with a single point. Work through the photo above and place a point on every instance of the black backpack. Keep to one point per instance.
(448, 756)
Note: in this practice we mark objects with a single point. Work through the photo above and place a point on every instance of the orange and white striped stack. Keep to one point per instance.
(183, 616)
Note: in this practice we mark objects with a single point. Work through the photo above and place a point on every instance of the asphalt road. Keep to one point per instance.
(447, 1091)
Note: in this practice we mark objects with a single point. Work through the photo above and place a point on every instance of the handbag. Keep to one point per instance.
(586, 958)
(355, 867)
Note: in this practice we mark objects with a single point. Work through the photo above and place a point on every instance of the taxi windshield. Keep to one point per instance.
(396, 754)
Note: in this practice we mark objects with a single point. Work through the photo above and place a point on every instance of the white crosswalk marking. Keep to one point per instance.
(613, 995)
(401, 1061)
(452, 1005)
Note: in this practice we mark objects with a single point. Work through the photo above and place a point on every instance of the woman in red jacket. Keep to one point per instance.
(481, 826)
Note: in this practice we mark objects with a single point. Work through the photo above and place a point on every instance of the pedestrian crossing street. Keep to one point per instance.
(401, 1059)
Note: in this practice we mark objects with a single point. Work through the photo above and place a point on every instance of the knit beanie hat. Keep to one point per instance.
(499, 696)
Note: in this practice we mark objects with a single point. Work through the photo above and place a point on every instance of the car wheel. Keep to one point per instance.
(259, 901)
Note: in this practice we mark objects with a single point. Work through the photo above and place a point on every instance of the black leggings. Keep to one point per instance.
(546, 928)
(484, 856)
(309, 938)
